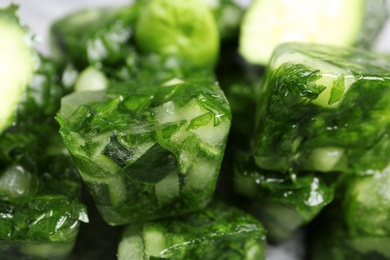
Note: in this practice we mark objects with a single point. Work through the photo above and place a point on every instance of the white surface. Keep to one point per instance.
(39, 14)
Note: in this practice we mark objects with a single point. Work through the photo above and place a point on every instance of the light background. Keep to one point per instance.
(39, 14)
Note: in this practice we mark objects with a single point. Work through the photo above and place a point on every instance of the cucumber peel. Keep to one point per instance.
(168, 27)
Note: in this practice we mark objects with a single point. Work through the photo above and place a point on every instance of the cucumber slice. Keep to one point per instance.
(17, 64)
(154, 240)
(325, 158)
(197, 42)
(267, 23)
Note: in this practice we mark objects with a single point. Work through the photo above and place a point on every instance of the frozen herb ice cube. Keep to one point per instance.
(282, 202)
(40, 211)
(356, 225)
(324, 109)
(147, 152)
(207, 234)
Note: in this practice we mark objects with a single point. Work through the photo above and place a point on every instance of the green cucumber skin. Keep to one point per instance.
(40, 90)
(19, 61)
(292, 126)
(119, 145)
(201, 235)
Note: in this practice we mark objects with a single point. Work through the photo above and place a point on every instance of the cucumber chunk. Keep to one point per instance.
(267, 23)
(17, 64)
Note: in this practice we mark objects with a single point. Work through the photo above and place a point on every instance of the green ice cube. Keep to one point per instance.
(216, 231)
(324, 109)
(147, 152)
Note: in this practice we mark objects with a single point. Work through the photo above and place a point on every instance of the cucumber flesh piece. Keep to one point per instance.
(17, 64)
(15, 183)
(47, 250)
(170, 112)
(114, 189)
(154, 241)
(168, 189)
(268, 23)
(326, 158)
(199, 175)
(91, 79)
(208, 133)
(131, 245)
(335, 79)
